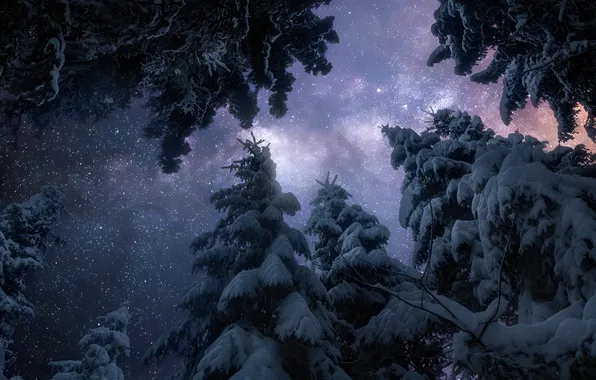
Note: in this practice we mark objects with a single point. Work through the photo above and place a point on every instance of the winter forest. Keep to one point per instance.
(297, 189)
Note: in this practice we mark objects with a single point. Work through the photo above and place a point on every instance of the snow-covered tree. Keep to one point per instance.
(191, 57)
(324, 224)
(507, 230)
(256, 313)
(543, 50)
(24, 232)
(346, 236)
(101, 348)
(382, 337)
(436, 170)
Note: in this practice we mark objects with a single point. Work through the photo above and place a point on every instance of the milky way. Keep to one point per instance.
(129, 226)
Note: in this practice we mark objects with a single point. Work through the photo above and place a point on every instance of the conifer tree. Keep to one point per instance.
(382, 337)
(543, 50)
(433, 168)
(85, 59)
(256, 313)
(101, 348)
(515, 227)
(323, 223)
(25, 230)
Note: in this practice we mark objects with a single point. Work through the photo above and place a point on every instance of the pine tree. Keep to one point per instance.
(382, 336)
(256, 313)
(543, 50)
(515, 227)
(101, 348)
(191, 58)
(25, 231)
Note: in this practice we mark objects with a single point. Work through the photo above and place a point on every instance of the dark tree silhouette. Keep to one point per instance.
(25, 231)
(191, 58)
(543, 50)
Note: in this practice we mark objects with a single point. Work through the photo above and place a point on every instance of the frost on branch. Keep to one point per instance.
(542, 50)
(351, 259)
(256, 313)
(517, 222)
(25, 235)
(83, 60)
(295, 319)
(245, 351)
(101, 348)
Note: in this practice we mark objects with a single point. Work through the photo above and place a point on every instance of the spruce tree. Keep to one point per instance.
(515, 226)
(382, 337)
(323, 223)
(544, 51)
(256, 313)
(25, 234)
(435, 195)
(191, 58)
(101, 348)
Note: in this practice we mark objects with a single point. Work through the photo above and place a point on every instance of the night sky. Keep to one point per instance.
(129, 226)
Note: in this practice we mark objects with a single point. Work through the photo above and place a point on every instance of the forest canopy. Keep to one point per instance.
(83, 60)
(544, 51)
(502, 278)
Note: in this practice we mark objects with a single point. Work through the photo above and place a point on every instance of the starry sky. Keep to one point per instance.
(128, 226)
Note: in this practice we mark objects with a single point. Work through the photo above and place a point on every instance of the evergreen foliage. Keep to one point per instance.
(25, 232)
(543, 50)
(507, 231)
(256, 313)
(382, 337)
(85, 59)
(102, 347)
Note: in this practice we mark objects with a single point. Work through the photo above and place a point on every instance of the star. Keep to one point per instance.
(129, 226)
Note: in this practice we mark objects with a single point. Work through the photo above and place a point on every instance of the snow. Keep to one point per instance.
(324, 367)
(378, 233)
(328, 226)
(196, 295)
(24, 228)
(272, 214)
(407, 205)
(261, 364)
(486, 166)
(244, 284)
(395, 371)
(344, 292)
(350, 239)
(247, 224)
(308, 283)
(273, 273)
(58, 44)
(101, 347)
(590, 309)
(346, 262)
(347, 214)
(296, 319)
(287, 203)
(379, 259)
(282, 247)
(215, 259)
(297, 240)
(234, 349)
(397, 320)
